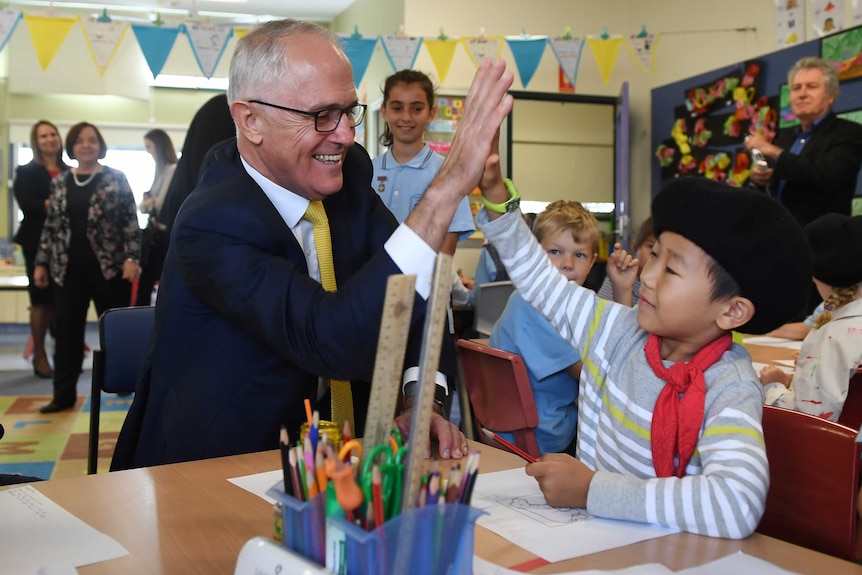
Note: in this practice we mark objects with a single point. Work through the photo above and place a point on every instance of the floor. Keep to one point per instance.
(48, 446)
(16, 372)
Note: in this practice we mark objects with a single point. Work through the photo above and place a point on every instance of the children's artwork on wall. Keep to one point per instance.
(845, 49)
(828, 16)
(852, 115)
(789, 22)
(708, 128)
(786, 118)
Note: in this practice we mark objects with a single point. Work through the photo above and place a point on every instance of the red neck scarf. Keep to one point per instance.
(678, 412)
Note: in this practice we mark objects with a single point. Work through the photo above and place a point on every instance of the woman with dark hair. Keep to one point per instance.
(211, 124)
(154, 248)
(32, 189)
(91, 245)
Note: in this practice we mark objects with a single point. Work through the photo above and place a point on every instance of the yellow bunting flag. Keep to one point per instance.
(442, 53)
(240, 32)
(48, 34)
(605, 51)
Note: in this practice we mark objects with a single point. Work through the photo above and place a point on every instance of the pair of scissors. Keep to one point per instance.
(390, 461)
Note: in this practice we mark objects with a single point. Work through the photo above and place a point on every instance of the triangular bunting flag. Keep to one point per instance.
(103, 38)
(359, 51)
(208, 44)
(482, 48)
(401, 50)
(442, 53)
(605, 51)
(527, 52)
(642, 47)
(9, 19)
(568, 52)
(156, 43)
(241, 32)
(48, 34)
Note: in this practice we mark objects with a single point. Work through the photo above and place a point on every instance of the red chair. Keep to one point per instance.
(500, 393)
(851, 413)
(814, 479)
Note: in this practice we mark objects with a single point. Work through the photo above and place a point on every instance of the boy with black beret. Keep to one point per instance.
(831, 352)
(669, 428)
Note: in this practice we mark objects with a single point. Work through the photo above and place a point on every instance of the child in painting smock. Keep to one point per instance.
(832, 351)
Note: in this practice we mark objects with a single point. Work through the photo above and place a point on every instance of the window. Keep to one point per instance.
(137, 164)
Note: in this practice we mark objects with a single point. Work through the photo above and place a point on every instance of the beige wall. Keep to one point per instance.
(678, 55)
(682, 51)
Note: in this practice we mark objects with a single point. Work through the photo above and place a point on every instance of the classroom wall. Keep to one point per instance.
(695, 37)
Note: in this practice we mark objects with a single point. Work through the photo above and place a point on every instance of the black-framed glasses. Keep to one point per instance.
(325, 120)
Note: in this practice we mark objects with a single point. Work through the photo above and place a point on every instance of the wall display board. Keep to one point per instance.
(699, 123)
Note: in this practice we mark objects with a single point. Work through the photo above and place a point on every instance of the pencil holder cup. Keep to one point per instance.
(429, 540)
(303, 524)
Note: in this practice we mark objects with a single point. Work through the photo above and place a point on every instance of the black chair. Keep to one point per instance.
(124, 335)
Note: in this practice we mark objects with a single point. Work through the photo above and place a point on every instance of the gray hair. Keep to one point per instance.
(830, 73)
(259, 61)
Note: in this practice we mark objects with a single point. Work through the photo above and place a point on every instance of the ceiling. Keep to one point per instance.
(172, 10)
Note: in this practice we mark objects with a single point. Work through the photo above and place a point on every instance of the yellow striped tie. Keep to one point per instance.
(342, 400)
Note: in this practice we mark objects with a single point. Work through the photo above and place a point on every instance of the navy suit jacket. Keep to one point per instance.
(242, 332)
(822, 178)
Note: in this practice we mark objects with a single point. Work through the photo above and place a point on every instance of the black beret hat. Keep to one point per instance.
(753, 237)
(836, 249)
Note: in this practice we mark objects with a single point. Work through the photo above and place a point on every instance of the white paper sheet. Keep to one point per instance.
(39, 536)
(483, 567)
(773, 341)
(259, 483)
(739, 564)
(518, 512)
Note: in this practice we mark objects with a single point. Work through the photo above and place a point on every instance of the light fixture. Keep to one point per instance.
(189, 82)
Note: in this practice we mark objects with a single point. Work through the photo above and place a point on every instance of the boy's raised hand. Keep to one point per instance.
(622, 272)
(564, 480)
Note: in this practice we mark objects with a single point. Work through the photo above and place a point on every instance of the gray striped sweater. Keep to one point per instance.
(724, 490)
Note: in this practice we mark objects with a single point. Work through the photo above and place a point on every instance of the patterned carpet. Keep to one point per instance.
(54, 446)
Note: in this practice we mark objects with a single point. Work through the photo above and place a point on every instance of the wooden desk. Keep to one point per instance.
(769, 354)
(186, 518)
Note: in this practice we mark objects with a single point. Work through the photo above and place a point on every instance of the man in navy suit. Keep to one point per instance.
(814, 167)
(243, 327)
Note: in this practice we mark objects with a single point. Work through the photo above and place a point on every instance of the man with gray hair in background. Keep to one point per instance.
(811, 168)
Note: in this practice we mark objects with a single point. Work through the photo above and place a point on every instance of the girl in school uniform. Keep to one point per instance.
(832, 351)
(404, 171)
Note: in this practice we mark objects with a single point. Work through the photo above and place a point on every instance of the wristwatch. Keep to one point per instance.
(509, 205)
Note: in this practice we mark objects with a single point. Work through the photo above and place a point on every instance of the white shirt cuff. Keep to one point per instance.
(412, 374)
(413, 257)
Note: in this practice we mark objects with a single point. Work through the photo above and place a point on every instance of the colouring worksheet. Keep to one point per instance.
(517, 510)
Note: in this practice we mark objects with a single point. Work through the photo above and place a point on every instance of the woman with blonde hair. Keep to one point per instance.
(32, 189)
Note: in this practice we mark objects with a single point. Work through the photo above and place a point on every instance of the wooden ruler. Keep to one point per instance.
(429, 357)
(389, 361)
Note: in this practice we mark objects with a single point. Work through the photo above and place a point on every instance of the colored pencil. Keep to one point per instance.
(377, 497)
(510, 446)
(294, 475)
(284, 445)
(308, 411)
